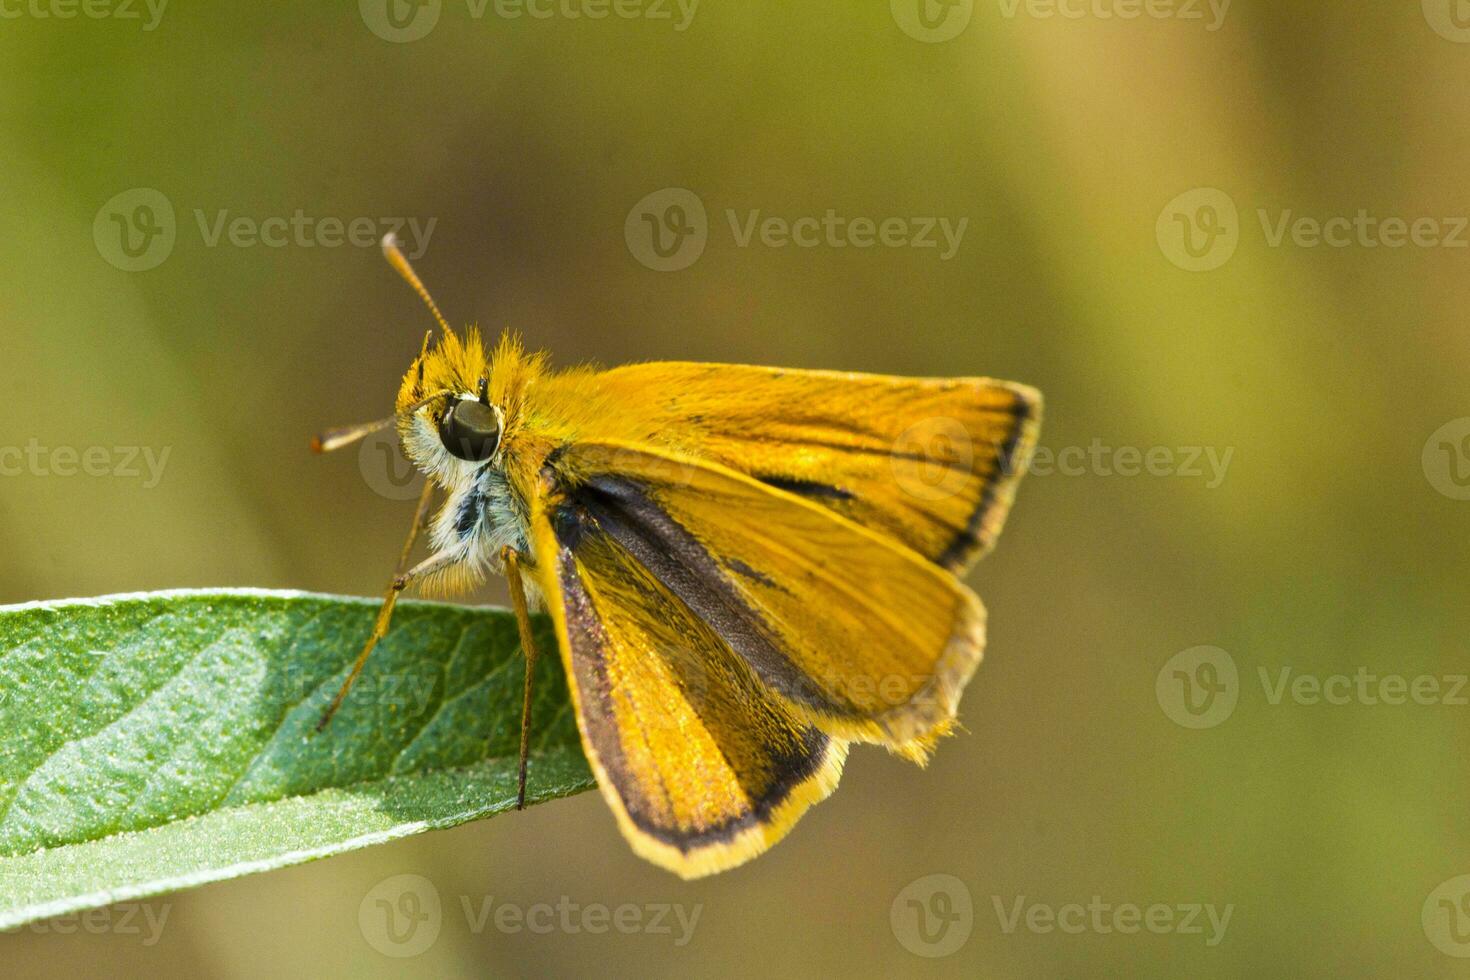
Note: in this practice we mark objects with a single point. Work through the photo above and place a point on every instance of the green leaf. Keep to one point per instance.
(155, 742)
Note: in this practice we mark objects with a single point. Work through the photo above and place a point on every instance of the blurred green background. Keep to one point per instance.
(1124, 181)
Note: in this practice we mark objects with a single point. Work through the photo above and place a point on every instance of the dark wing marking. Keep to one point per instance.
(702, 767)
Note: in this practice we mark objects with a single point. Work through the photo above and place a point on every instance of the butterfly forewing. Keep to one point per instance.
(932, 463)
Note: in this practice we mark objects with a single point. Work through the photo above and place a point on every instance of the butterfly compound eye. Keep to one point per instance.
(470, 431)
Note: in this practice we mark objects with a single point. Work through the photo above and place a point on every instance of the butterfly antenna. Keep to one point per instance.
(334, 439)
(400, 264)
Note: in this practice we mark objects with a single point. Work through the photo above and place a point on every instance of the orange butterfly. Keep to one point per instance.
(748, 568)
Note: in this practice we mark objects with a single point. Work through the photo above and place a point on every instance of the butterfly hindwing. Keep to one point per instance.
(851, 631)
(703, 769)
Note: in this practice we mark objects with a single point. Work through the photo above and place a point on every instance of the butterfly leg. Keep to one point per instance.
(511, 559)
(401, 580)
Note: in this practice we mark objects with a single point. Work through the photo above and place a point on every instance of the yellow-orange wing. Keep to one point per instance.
(845, 629)
(932, 463)
(702, 768)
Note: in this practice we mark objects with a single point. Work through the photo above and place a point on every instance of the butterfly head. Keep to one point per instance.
(457, 404)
